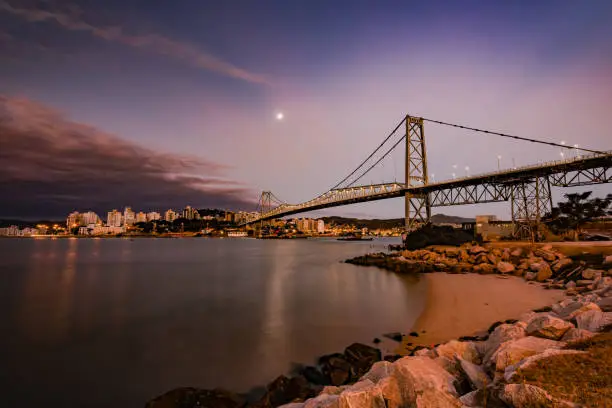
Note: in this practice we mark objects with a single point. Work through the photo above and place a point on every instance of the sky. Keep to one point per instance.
(153, 104)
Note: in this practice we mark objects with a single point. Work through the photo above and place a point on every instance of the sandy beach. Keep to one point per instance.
(461, 305)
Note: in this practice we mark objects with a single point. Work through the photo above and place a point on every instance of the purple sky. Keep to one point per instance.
(199, 83)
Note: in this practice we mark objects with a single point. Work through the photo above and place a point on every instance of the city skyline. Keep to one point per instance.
(103, 103)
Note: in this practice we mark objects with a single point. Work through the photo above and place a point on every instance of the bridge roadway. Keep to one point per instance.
(481, 188)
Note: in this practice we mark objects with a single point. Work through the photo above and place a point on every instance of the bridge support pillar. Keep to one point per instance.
(530, 202)
(265, 205)
(417, 206)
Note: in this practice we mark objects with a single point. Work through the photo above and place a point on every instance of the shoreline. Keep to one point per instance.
(467, 304)
(339, 376)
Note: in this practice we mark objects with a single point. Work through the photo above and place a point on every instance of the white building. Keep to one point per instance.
(12, 231)
(170, 216)
(141, 217)
(74, 220)
(114, 219)
(320, 226)
(153, 216)
(129, 216)
(89, 217)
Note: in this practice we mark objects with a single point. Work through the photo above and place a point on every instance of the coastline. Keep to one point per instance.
(467, 304)
(471, 371)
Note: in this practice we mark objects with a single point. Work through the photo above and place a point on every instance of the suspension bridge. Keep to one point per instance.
(528, 188)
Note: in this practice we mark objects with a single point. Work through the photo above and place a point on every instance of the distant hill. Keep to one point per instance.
(22, 223)
(392, 222)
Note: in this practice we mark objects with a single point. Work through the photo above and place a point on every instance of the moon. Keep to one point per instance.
(280, 116)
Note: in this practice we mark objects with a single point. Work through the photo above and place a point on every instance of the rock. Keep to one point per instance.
(544, 254)
(501, 334)
(492, 259)
(570, 285)
(475, 374)
(544, 273)
(424, 352)
(333, 390)
(470, 399)
(336, 369)
(548, 327)
(451, 252)
(574, 334)
(511, 352)
(379, 371)
(192, 397)
(517, 252)
(358, 352)
(463, 256)
(526, 396)
(605, 304)
(283, 390)
(583, 308)
(593, 320)
(505, 255)
(561, 265)
(607, 262)
(465, 350)
(394, 336)
(584, 282)
(486, 269)
(590, 274)
(313, 375)
(362, 394)
(603, 282)
(512, 370)
(505, 267)
(529, 276)
(477, 249)
(323, 401)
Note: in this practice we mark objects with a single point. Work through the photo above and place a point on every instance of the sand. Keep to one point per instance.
(462, 305)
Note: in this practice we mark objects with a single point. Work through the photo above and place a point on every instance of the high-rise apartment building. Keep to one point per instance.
(73, 220)
(320, 226)
(141, 217)
(170, 216)
(114, 219)
(89, 218)
(129, 216)
(153, 216)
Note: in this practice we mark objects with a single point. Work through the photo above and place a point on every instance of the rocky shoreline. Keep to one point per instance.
(479, 370)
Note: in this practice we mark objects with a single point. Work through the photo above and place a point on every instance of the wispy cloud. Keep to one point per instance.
(153, 43)
(51, 165)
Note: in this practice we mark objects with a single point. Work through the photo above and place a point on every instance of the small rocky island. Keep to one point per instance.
(559, 356)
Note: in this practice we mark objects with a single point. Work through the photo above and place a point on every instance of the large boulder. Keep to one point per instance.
(593, 320)
(574, 334)
(583, 308)
(513, 369)
(475, 374)
(283, 390)
(465, 350)
(502, 334)
(546, 255)
(194, 397)
(363, 394)
(544, 273)
(590, 274)
(511, 352)
(607, 262)
(336, 368)
(561, 265)
(414, 382)
(361, 357)
(323, 401)
(605, 304)
(477, 249)
(526, 396)
(505, 267)
(548, 327)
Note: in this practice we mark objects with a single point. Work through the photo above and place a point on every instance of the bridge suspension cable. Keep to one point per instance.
(370, 156)
(378, 161)
(439, 122)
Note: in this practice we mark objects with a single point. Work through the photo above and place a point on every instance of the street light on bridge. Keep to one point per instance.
(467, 171)
(499, 162)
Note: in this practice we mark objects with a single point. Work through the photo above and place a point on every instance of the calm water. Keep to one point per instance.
(114, 322)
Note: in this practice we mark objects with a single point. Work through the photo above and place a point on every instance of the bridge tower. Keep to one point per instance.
(530, 200)
(265, 205)
(417, 206)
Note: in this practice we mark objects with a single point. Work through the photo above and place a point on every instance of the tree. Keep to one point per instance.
(577, 210)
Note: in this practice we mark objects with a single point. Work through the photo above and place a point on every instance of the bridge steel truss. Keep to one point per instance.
(527, 188)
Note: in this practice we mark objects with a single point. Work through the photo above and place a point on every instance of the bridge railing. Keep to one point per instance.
(523, 168)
